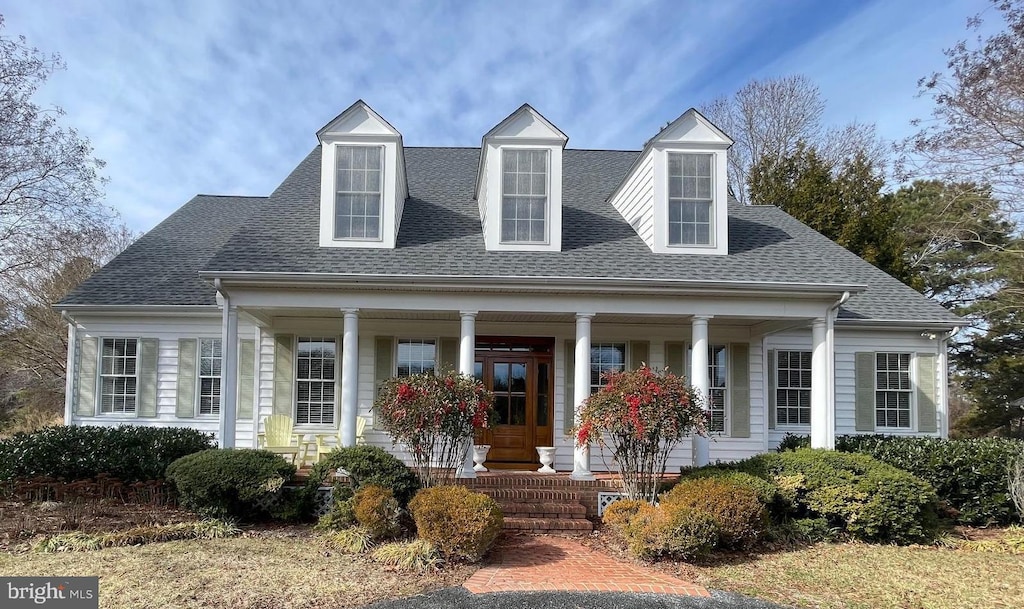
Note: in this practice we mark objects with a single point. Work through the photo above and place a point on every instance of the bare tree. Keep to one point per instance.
(768, 118)
(976, 130)
(49, 180)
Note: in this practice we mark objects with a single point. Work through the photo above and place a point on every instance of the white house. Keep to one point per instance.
(529, 264)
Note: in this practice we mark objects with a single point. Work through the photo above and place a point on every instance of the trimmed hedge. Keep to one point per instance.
(969, 475)
(368, 465)
(735, 507)
(461, 524)
(229, 482)
(130, 453)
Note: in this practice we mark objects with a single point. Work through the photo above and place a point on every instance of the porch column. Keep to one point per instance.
(467, 357)
(70, 373)
(581, 391)
(349, 377)
(229, 374)
(699, 379)
(819, 386)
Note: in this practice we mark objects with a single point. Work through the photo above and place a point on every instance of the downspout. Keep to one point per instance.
(229, 370)
(830, 346)
(69, 369)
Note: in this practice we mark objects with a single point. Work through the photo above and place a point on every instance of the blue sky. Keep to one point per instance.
(219, 97)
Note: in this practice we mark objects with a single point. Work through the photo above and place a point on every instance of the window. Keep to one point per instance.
(119, 375)
(357, 197)
(892, 390)
(605, 357)
(524, 196)
(717, 385)
(314, 381)
(689, 199)
(415, 356)
(209, 375)
(793, 388)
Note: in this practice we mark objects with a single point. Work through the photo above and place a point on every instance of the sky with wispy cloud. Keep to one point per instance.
(225, 97)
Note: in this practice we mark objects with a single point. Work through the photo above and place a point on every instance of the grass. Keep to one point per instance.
(286, 571)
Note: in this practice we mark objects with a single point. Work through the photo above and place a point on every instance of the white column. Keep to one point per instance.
(701, 382)
(819, 384)
(467, 357)
(349, 377)
(70, 372)
(229, 374)
(581, 391)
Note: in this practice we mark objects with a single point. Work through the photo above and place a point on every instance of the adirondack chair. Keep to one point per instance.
(327, 443)
(279, 437)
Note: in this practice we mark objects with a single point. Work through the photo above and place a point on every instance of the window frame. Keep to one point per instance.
(215, 411)
(336, 381)
(505, 149)
(725, 388)
(338, 146)
(414, 339)
(911, 392)
(712, 207)
(607, 343)
(134, 413)
(777, 388)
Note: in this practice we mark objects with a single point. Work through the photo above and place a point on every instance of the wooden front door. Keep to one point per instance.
(523, 388)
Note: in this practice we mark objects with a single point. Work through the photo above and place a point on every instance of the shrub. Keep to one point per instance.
(461, 524)
(376, 509)
(735, 507)
(418, 555)
(620, 514)
(643, 415)
(129, 453)
(228, 482)
(341, 514)
(1015, 483)
(368, 465)
(436, 417)
(794, 441)
(671, 531)
(768, 492)
(806, 530)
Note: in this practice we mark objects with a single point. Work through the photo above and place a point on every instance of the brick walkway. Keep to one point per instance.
(529, 564)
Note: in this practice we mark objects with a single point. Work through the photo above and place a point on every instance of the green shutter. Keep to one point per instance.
(186, 406)
(639, 353)
(284, 374)
(865, 391)
(246, 377)
(569, 406)
(149, 352)
(448, 355)
(675, 359)
(773, 385)
(383, 365)
(926, 393)
(87, 360)
(739, 422)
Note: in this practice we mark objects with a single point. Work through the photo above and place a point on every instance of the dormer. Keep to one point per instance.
(362, 180)
(676, 194)
(519, 184)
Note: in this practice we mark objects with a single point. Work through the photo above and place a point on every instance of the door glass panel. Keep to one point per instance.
(500, 377)
(501, 405)
(542, 394)
(517, 411)
(478, 371)
(518, 378)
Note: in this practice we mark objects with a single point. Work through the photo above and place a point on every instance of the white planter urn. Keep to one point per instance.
(547, 457)
(480, 456)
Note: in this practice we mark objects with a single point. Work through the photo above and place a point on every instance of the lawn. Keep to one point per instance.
(287, 569)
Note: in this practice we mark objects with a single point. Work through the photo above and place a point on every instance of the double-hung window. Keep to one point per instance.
(119, 378)
(524, 196)
(357, 197)
(314, 380)
(892, 390)
(209, 376)
(793, 388)
(690, 198)
(717, 386)
(416, 356)
(605, 357)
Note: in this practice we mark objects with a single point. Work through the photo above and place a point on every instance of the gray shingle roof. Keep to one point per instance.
(162, 267)
(440, 234)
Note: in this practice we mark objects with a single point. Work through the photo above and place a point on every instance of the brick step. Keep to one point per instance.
(545, 509)
(517, 523)
(535, 495)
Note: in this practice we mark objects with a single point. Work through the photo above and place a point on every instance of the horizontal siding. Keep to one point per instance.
(635, 200)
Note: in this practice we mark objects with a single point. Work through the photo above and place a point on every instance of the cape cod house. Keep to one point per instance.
(532, 265)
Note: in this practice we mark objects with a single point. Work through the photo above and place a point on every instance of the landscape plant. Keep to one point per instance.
(229, 482)
(641, 415)
(460, 523)
(436, 417)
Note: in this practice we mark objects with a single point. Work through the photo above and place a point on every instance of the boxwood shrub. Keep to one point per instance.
(369, 465)
(229, 482)
(460, 523)
(129, 453)
(737, 510)
(969, 475)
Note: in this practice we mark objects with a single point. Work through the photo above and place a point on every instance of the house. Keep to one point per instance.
(532, 265)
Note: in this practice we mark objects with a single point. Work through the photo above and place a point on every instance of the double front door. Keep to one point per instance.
(523, 386)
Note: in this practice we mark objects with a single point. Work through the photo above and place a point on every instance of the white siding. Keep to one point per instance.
(635, 200)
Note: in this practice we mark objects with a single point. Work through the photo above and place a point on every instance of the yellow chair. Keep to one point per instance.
(323, 447)
(279, 437)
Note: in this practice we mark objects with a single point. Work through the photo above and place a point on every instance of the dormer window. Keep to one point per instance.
(524, 196)
(357, 200)
(690, 198)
